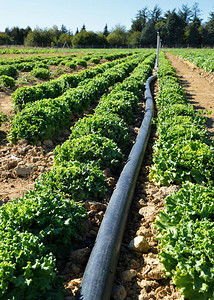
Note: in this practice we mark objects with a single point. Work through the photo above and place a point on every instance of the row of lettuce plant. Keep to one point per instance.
(56, 87)
(43, 225)
(11, 67)
(8, 50)
(57, 59)
(202, 58)
(44, 119)
(184, 155)
(44, 64)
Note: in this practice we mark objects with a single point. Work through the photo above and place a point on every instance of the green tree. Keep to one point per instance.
(17, 34)
(140, 20)
(185, 14)
(148, 36)
(133, 39)
(193, 35)
(87, 38)
(33, 38)
(5, 39)
(174, 29)
(155, 14)
(207, 31)
(63, 30)
(118, 37)
(65, 40)
(195, 12)
(83, 27)
(105, 31)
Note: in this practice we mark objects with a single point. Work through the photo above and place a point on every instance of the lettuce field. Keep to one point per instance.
(68, 122)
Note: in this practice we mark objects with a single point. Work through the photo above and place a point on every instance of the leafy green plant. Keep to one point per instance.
(25, 66)
(2, 116)
(79, 181)
(26, 271)
(109, 125)
(191, 202)
(51, 217)
(43, 120)
(7, 81)
(184, 152)
(95, 60)
(81, 62)
(41, 73)
(8, 70)
(123, 103)
(54, 88)
(90, 148)
(71, 65)
(183, 160)
(187, 255)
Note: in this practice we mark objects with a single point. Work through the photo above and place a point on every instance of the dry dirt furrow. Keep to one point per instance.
(199, 87)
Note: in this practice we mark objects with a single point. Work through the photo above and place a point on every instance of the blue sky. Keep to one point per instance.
(95, 14)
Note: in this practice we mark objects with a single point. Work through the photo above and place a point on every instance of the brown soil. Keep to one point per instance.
(199, 87)
(5, 102)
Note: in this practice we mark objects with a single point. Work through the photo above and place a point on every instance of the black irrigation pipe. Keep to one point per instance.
(99, 274)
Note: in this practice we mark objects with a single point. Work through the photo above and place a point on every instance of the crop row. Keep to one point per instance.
(39, 66)
(44, 119)
(44, 223)
(29, 63)
(57, 87)
(203, 59)
(57, 59)
(31, 51)
(184, 155)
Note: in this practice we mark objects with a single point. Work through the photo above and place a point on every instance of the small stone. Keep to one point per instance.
(24, 170)
(111, 181)
(95, 206)
(134, 264)
(80, 256)
(65, 132)
(156, 273)
(22, 142)
(148, 284)
(41, 169)
(107, 172)
(35, 159)
(139, 244)
(92, 233)
(6, 174)
(59, 139)
(119, 292)
(128, 275)
(48, 143)
(12, 164)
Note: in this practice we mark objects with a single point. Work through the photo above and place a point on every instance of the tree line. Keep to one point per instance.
(177, 29)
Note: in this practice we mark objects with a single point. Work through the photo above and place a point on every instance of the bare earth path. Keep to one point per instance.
(199, 87)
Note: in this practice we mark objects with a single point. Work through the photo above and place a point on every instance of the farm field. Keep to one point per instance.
(110, 91)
